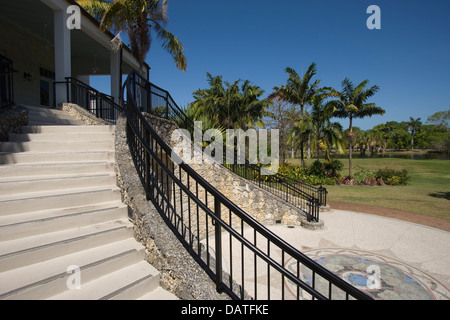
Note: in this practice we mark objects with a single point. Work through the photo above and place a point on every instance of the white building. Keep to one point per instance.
(35, 36)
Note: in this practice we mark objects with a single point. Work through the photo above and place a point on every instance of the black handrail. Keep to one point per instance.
(228, 243)
(6, 82)
(99, 104)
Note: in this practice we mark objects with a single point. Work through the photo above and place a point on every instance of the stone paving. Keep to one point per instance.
(385, 257)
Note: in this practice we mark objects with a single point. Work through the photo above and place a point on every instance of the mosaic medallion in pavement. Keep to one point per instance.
(380, 277)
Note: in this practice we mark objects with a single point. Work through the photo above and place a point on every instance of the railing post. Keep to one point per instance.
(149, 97)
(218, 236)
(259, 176)
(322, 195)
(67, 90)
(147, 169)
(167, 105)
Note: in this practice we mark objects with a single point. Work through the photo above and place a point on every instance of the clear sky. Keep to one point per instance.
(408, 58)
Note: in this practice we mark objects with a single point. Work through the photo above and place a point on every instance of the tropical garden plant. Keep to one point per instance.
(140, 19)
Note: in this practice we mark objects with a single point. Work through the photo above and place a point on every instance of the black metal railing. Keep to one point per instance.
(244, 258)
(6, 82)
(157, 101)
(99, 104)
(302, 196)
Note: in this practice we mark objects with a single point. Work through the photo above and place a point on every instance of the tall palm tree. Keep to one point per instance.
(140, 19)
(413, 125)
(298, 91)
(352, 103)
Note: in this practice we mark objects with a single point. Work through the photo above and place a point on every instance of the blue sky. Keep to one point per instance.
(408, 58)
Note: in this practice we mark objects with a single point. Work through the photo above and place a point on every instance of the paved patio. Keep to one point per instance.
(412, 260)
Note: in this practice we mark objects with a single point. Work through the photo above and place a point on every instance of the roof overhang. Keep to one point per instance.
(90, 46)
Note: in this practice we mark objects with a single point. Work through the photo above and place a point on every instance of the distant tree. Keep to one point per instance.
(413, 125)
(231, 105)
(352, 103)
(299, 92)
(440, 119)
(284, 119)
(326, 134)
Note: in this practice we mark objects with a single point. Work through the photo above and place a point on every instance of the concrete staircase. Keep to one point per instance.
(64, 232)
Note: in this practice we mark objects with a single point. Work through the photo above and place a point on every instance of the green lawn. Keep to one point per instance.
(428, 191)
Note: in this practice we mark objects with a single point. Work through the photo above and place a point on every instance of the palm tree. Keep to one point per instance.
(298, 91)
(140, 19)
(231, 105)
(352, 103)
(327, 134)
(413, 125)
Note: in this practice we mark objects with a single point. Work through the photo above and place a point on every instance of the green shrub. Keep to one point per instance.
(362, 174)
(332, 168)
(393, 181)
(393, 177)
(316, 169)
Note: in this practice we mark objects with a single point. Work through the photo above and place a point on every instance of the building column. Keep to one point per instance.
(116, 77)
(63, 55)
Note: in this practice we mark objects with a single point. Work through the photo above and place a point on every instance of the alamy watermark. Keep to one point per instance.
(74, 280)
(374, 280)
(74, 20)
(374, 21)
(257, 148)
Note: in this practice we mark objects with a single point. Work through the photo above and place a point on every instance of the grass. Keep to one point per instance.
(428, 191)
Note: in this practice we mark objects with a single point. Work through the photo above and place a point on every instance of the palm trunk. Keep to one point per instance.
(301, 143)
(317, 144)
(350, 148)
(301, 155)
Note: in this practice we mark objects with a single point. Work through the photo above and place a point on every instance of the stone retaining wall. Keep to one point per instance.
(82, 114)
(180, 273)
(260, 204)
(11, 119)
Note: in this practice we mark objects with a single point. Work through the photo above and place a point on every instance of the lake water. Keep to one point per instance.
(401, 155)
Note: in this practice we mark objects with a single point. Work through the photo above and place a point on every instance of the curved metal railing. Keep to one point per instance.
(245, 259)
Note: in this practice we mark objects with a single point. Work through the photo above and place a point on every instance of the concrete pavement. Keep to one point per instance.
(414, 259)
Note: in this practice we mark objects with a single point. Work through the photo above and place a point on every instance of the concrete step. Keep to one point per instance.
(48, 278)
(158, 294)
(18, 253)
(25, 184)
(127, 283)
(54, 168)
(62, 136)
(51, 121)
(42, 116)
(48, 146)
(46, 200)
(67, 156)
(33, 223)
(61, 211)
(67, 129)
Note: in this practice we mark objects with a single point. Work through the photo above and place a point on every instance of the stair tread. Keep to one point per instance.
(32, 243)
(42, 215)
(159, 294)
(67, 128)
(53, 193)
(111, 283)
(56, 163)
(40, 272)
(56, 176)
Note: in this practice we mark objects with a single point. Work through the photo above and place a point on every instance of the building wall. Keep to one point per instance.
(28, 54)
